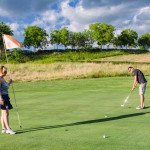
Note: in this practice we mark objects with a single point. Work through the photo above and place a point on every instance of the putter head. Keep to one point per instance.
(20, 127)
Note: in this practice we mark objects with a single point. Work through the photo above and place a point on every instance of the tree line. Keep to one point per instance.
(100, 33)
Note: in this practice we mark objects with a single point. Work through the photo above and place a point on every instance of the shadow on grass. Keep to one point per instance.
(81, 122)
(146, 107)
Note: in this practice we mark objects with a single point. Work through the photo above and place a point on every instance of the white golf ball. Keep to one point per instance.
(105, 116)
(122, 105)
(104, 136)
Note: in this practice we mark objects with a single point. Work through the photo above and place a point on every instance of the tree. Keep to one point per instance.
(128, 38)
(4, 29)
(77, 39)
(55, 37)
(102, 33)
(88, 38)
(64, 37)
(72, 39)
(117, 42)
(144, 41)
(35, 36)
(81, 39)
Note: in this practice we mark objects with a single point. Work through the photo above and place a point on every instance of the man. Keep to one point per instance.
(139, 78)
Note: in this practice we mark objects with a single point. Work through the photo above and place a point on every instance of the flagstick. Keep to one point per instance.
(12, 82)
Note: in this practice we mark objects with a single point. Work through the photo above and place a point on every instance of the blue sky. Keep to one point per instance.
(75, 14)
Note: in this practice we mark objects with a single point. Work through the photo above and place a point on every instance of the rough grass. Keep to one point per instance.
(58, 65)
(54, 71)
(65, 56)
(129, 58)
(78, 55)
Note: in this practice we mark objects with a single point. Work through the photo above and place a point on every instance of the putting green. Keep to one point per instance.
(71, 115)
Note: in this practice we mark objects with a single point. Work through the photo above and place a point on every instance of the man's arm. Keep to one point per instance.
(134, 83)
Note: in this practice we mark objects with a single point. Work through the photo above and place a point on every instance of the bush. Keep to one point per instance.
(17, 56)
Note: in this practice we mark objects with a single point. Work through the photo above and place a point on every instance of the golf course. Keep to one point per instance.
(75, 74)
(77, 114)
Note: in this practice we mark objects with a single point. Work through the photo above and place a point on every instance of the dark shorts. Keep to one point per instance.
(7, 104)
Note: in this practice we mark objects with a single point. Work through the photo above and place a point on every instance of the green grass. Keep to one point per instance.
(70, 115)
(65, 56)
(78, 56)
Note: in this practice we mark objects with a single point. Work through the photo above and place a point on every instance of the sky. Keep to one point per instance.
(77, 15)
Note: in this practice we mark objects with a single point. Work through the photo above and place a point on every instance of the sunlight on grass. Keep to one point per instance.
(38, 72)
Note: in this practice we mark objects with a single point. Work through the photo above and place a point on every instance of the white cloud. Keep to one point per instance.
(38, 22)
(47, 17)
(80, 17)
(141, 21)
(117, 32)
(15, 27)
(122, 14)
(3, 12)
(50, 16)
(142, 15)
(47, 20)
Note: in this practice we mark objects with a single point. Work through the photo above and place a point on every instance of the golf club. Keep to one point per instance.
(126, 100)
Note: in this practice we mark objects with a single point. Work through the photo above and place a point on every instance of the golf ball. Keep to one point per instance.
(105, 116)
(122, 105)
(104, 136)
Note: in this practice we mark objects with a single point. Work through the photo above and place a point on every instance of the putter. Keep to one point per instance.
(126, 100)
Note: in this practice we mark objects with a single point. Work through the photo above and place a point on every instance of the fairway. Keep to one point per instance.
(71, 115)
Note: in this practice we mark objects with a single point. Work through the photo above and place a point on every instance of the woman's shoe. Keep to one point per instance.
(3, 130)
(10, 131)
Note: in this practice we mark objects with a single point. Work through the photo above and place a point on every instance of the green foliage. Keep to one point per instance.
(102, 33)
(144, 41)
(35, 36)
(74, 39)
(117, 42)
(79, 39)
(4, 29)
(55, 37)
(127, 38)
(17, 56)
(69, 56)
(83, 39)
(64, 37)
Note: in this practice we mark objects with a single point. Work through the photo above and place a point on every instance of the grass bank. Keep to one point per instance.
(64, 56)
(140, 58)
(55, 71)
(71, 56)
(77, 65)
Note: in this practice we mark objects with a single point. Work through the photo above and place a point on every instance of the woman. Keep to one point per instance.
(5, 103)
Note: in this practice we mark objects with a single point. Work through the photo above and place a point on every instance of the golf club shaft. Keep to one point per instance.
(127, 99)
(16, 106)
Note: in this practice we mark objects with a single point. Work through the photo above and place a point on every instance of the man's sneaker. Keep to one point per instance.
(3, 130)
(10, 131)
(139, 107)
